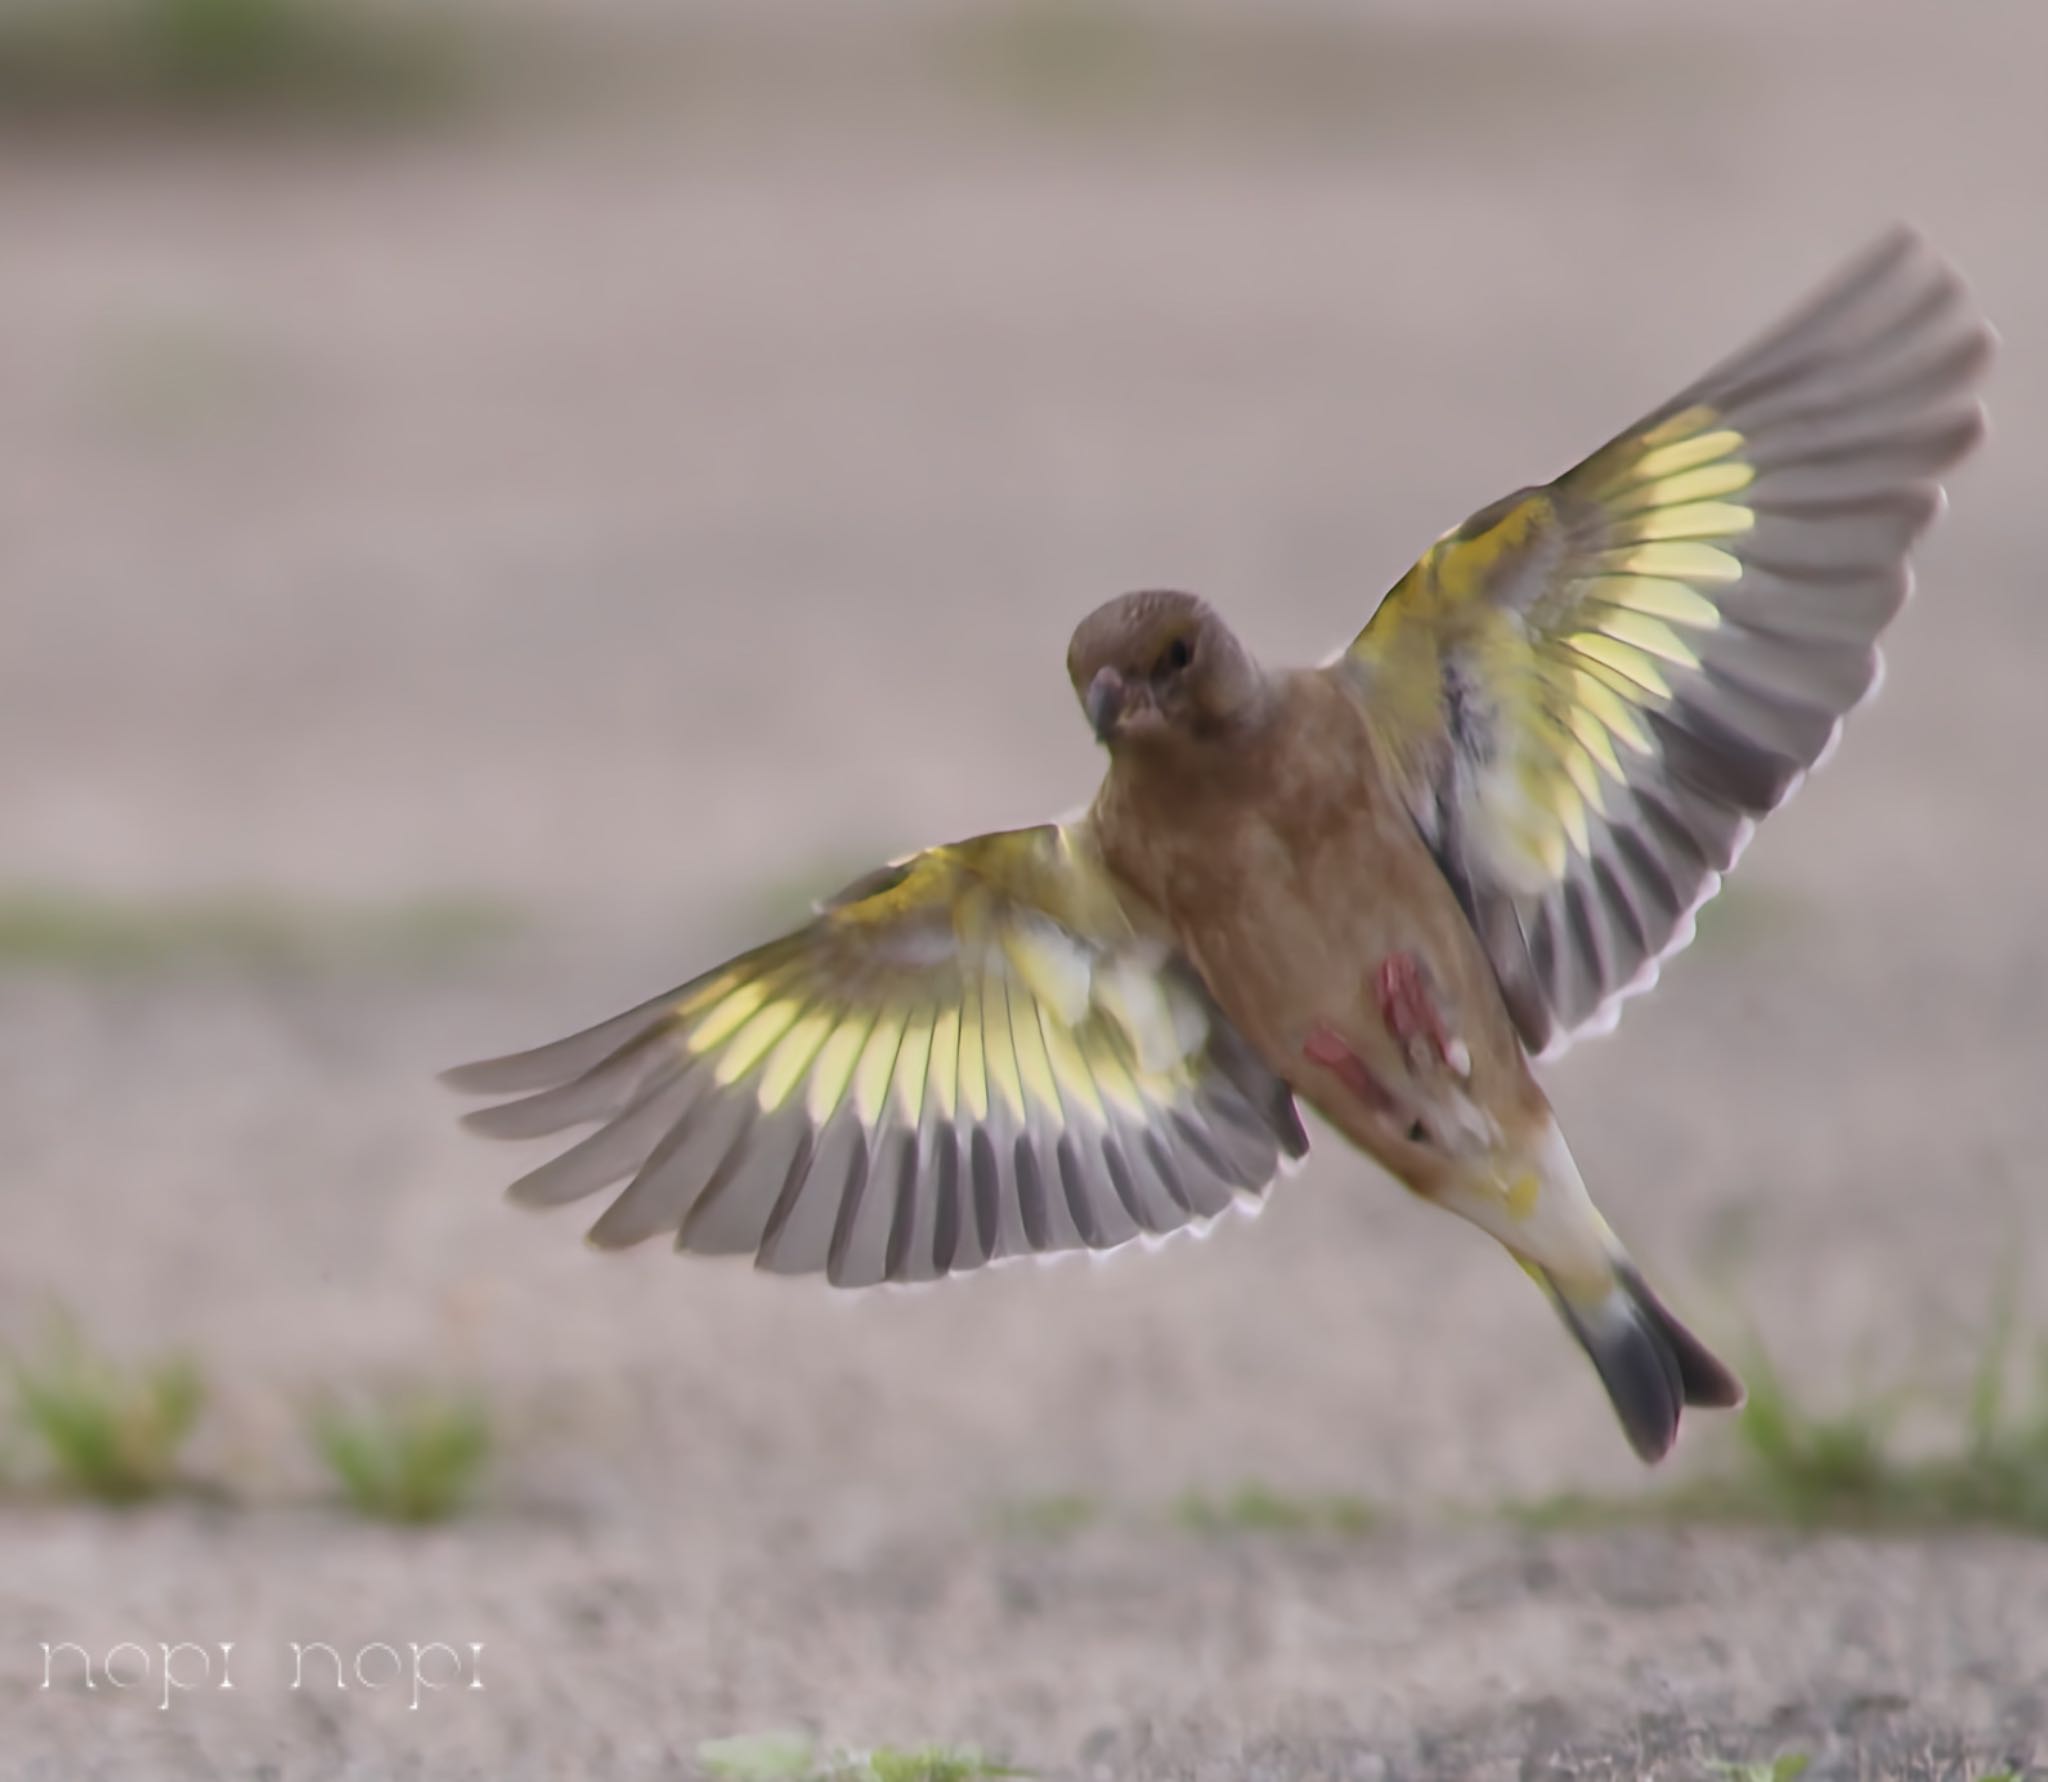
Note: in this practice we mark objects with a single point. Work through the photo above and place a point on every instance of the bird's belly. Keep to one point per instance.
(1352, 971)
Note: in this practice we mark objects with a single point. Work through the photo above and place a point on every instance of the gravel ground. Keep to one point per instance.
(640, 518)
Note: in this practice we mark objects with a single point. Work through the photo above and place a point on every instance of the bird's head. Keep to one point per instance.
(1156, 666)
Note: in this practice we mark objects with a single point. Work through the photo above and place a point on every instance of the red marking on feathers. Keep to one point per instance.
(1326, 1047)
(1412, 1017)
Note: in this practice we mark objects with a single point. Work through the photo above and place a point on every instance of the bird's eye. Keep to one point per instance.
(1176, 656)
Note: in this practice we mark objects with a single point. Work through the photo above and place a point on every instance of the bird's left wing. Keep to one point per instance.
(972, 1054)
(1588, 692)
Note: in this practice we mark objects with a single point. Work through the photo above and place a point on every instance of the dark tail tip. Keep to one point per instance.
(1708, 1381)
(1651, 1365)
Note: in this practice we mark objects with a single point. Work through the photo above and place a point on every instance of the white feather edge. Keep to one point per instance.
(1244, 1206)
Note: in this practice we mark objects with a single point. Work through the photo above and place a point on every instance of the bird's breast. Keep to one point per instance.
(1325, 930)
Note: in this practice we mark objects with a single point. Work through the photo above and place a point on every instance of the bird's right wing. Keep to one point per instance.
(1590, 691)
(972, 1054)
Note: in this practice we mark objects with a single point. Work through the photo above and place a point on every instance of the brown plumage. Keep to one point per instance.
(1253, 813)
(1380, 886)
(1265, 833)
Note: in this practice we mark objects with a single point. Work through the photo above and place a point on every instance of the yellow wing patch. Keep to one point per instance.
(968, 1055)
(1589, 692)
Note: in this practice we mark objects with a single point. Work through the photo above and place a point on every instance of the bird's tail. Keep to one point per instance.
(1651, 1365)
(1535, 1202)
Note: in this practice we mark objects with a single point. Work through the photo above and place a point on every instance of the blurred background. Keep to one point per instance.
(502, 502)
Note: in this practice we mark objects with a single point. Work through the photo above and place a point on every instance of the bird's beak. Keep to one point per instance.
(1105, 702)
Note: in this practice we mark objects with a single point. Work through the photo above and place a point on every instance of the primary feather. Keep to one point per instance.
(970, 1055)
(1591, 690)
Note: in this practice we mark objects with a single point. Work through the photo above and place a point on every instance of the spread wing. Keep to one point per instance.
(969, 1055)
(1589, 691)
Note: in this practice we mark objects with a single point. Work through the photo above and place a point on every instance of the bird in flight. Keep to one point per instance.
(1382, 886)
